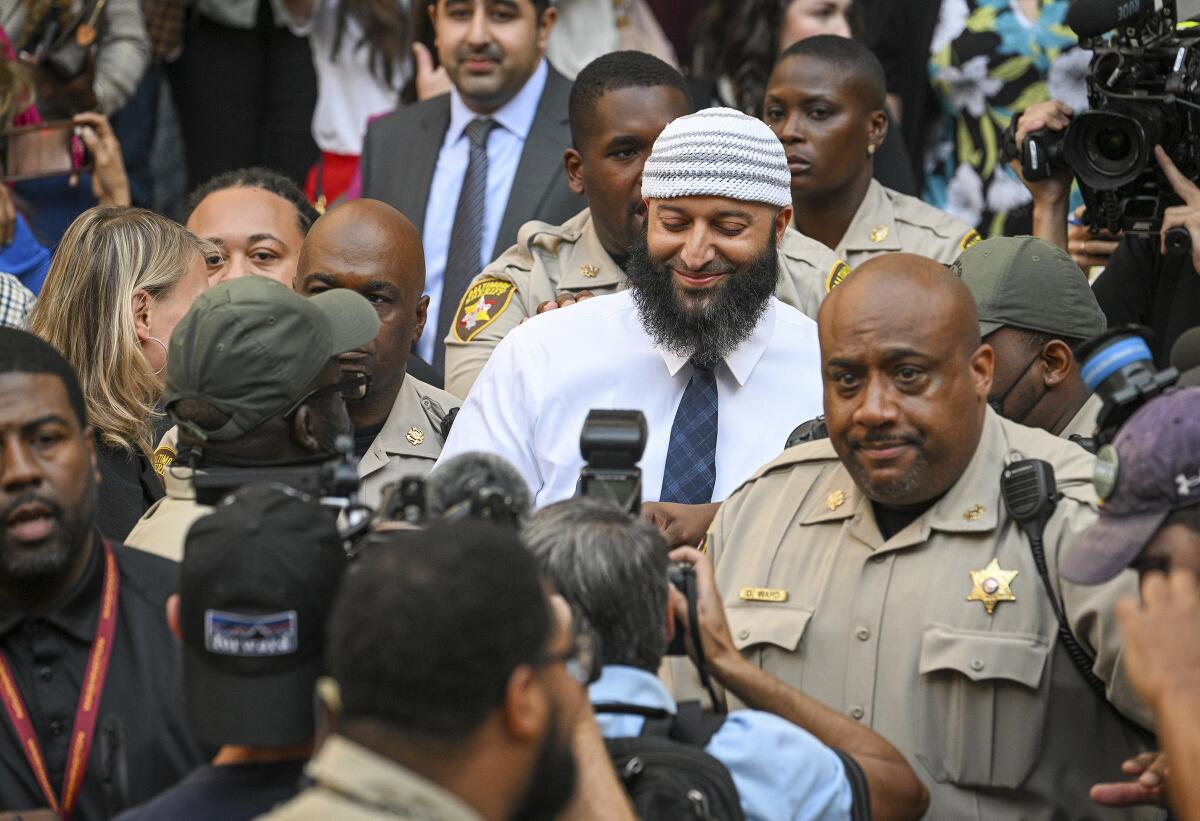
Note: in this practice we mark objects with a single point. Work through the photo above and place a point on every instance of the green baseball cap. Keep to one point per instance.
(249, 347)
(1025, 282)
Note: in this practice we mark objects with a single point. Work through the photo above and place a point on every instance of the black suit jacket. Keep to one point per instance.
(401, 150)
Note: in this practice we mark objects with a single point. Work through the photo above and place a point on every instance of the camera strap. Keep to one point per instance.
(691, 594)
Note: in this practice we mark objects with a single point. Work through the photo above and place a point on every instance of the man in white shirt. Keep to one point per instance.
(722, 370)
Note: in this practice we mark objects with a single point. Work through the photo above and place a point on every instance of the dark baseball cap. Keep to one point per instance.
(1025, 282)
(1151, 469)
(249, 347)
(256, 583)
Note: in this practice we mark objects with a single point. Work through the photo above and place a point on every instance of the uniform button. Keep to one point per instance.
(56, 727)
(46, 673)
(743, 634)
(977, 665)
(863, 633)
(857, 712)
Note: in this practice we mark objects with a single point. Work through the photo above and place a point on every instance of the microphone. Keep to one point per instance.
(1091, 18)
(478, 485)
(1185, 358)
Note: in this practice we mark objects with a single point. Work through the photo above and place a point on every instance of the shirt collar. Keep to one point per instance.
(743, 359)
(78, 613)
(619, 684)
(515, 116)
(873, 227)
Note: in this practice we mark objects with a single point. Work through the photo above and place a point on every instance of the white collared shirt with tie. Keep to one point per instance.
(529, 403)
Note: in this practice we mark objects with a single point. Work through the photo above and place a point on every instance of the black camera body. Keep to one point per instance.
(334, 480)
(1143, 90)
(612, 443)
(1117, 367)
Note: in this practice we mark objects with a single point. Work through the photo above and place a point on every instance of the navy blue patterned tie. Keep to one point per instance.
(691, 470)
(466, 235)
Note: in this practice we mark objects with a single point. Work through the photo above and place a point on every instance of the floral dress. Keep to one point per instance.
(988, 63)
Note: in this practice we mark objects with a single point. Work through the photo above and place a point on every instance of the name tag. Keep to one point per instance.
(763, 594)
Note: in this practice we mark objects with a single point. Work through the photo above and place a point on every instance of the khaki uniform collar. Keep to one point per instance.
(369, 778)
(585, 264)
(970, 506)
(875, 217)
(177, 481)
(411, 413)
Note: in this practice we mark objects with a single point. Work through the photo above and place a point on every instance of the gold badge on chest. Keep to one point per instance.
(991, 586)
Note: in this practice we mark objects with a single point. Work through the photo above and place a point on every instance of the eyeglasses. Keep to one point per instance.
(580, 659)
(351, 387)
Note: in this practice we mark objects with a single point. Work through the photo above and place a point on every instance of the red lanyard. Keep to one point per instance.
(89, 701)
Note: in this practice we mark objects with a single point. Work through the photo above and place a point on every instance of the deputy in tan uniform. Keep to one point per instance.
(879, 572)
(619, 105)
(1035, 307)
(825, 102)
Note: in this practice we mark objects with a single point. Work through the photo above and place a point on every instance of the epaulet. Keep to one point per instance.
(820, 450)
(923, 215)
(1073, 466)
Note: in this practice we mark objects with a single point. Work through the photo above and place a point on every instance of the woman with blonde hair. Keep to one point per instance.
(119, 282)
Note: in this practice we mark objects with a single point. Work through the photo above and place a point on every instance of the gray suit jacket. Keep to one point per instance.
(401, 151)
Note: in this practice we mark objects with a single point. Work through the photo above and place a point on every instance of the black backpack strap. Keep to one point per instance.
(860, 793)
(693, 726)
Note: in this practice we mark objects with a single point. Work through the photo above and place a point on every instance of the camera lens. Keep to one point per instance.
(1113, 144)
(1107, 149)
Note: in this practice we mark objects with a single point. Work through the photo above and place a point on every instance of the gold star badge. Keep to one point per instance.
(589, 271)
(973, 513)
(879, 233)
(415, 436)
(835, 500)
(991, 586)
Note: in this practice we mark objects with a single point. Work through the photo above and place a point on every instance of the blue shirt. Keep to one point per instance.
(505, 144)
(25, 258)
(780, 770)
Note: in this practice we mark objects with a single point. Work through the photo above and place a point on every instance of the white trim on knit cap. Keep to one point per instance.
(718, 152)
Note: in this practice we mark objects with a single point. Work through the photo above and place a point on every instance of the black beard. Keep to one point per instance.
(31, 574)
(708, 331)
(552, 782)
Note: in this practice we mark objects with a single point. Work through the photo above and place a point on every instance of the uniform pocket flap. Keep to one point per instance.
(767, 624)
(1019, 657)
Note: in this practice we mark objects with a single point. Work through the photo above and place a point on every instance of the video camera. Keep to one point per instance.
(1117, 367)
(333, 480)
(1144, 90)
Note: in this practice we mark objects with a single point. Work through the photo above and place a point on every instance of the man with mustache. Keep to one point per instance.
(368, 247)
(880, 572)
(75, 608)
(619, 105)
(721, 369)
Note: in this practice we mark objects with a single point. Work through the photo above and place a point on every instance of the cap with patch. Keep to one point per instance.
(1151, 469)
(1025, 282)
(718, 152)
(249, 347)
(256, 583)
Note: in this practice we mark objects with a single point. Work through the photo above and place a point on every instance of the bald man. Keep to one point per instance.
(400, 425)
(879, 572)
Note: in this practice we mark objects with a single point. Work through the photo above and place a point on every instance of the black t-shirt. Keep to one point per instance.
(229, 792)
(363, 437)
(140, 731)
(128, 486)
(1144, 286)
(891, 520)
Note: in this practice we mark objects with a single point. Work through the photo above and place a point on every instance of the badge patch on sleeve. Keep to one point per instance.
(481, 305)
(251, 636)
(836, 274)
(162, 458)
(969, 239)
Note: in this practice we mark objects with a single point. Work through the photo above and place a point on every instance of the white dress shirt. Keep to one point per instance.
(504, 146)
(532, 397)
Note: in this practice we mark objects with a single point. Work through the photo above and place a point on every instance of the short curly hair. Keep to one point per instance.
(256, 177)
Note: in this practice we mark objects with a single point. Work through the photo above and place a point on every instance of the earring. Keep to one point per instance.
(871, 149)
(162, 345)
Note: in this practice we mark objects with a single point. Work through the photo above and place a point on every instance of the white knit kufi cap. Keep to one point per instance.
(718, 152)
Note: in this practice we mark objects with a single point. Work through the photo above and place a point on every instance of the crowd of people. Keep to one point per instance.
(561, 409)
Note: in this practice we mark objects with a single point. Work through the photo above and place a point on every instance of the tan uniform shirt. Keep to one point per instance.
(411, 439)
(986, 707)
(549, 259)
(888, 221)
(1083, 423)
(163, 528)
(352, 783)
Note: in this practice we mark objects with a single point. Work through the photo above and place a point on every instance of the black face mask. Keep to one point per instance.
(997, 402)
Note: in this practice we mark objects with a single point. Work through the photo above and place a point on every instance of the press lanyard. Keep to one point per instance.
(89, 701)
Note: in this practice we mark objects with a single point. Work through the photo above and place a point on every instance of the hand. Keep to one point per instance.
(1149, 771)
(1087, 249)
(110, 184)
(1188, 214)
(680, 524)
(564, 299)
(719, 650)
(8, 216)
(1055, 116)
(431, 82)
(1162, 636)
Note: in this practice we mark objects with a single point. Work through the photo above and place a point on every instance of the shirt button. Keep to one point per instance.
(56, 727)
(743, 634)
(46, 673)
(863, 633)
(977, 665)
(857, 712)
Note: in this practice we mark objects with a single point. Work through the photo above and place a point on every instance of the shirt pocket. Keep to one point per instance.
(984, 705)
(770, 634)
